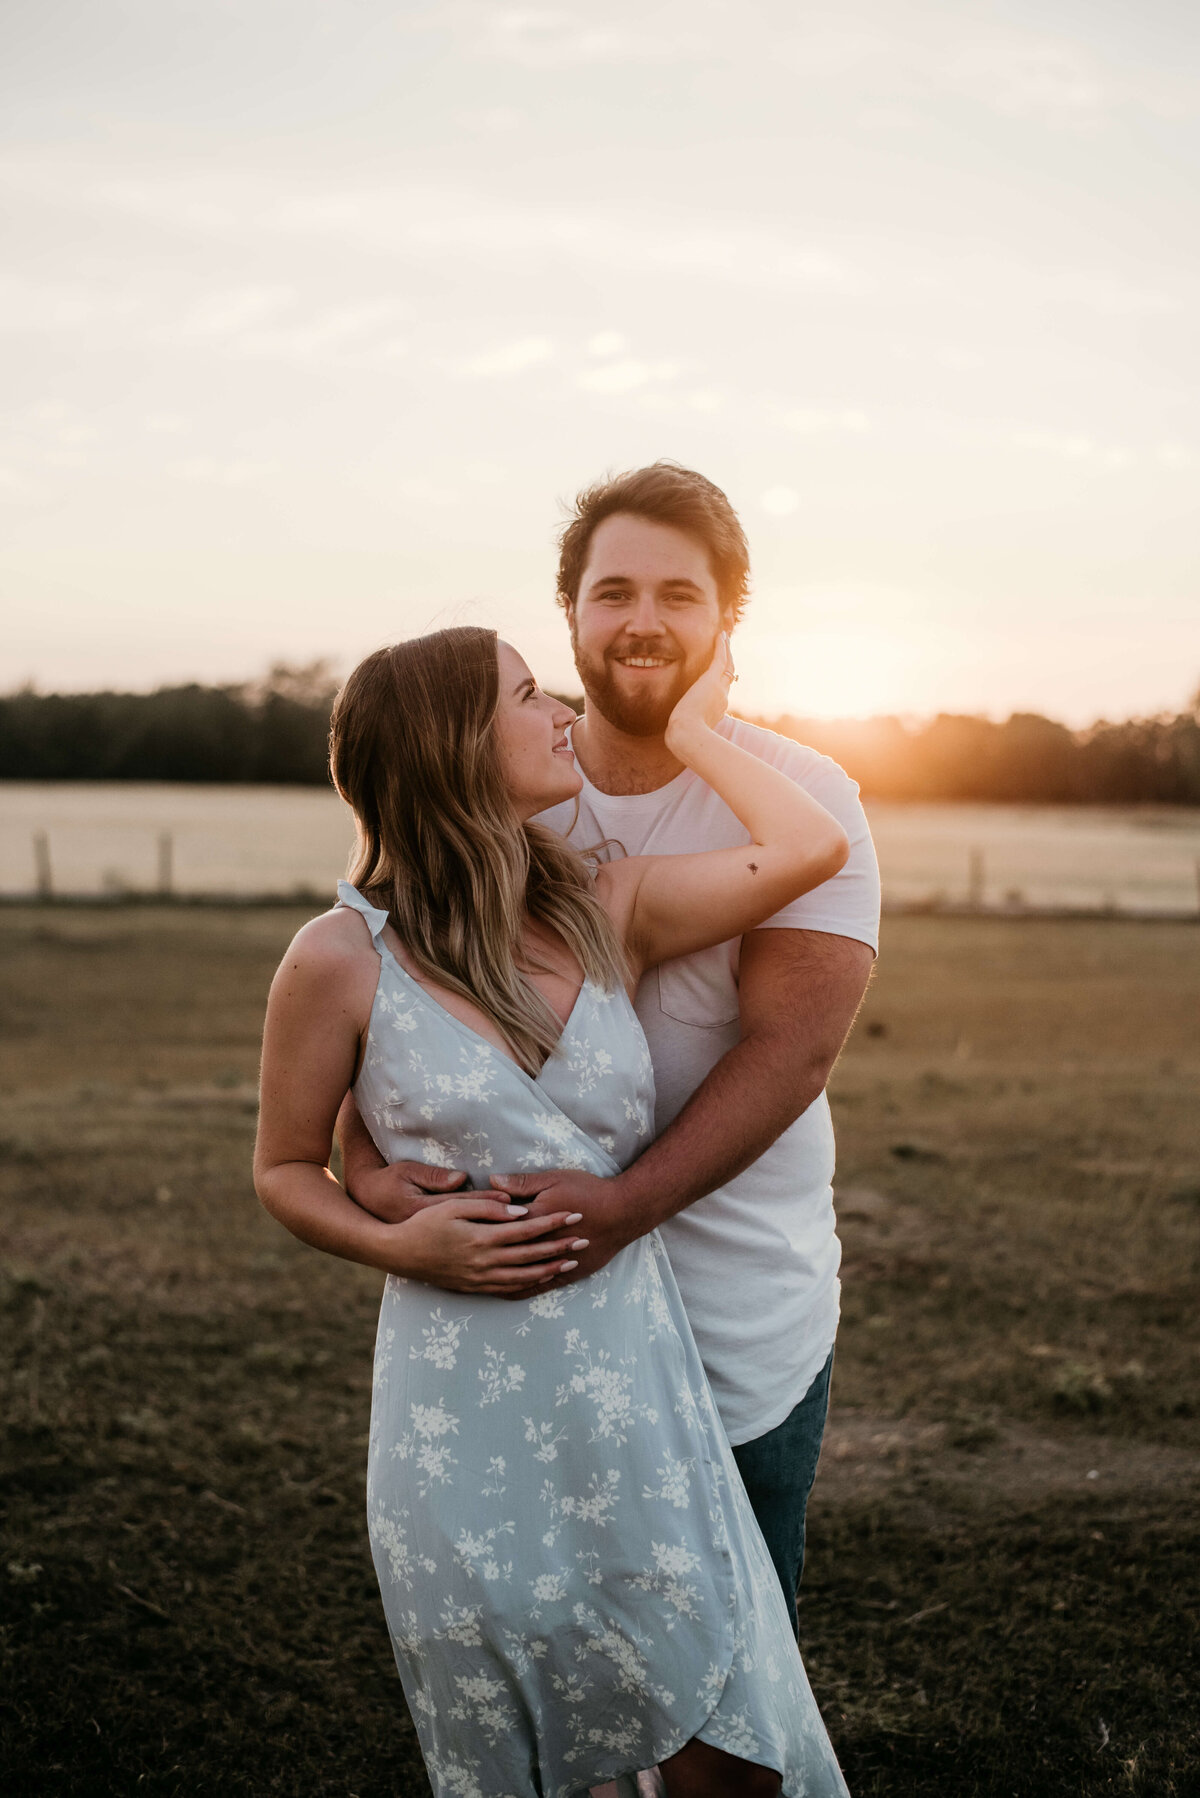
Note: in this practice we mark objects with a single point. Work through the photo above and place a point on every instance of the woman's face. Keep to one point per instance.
(535, 760)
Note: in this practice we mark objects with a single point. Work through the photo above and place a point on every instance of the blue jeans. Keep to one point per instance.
(779, 1469)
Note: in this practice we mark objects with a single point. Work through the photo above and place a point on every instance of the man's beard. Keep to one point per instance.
(641, 714)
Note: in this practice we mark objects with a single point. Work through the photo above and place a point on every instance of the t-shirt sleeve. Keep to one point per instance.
(847, 905)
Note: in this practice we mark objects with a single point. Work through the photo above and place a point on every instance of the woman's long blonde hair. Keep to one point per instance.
(440, 848)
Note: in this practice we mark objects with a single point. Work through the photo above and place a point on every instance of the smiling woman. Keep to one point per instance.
(530, 732)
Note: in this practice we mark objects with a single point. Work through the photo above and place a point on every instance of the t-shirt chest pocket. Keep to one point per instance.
(700, 989)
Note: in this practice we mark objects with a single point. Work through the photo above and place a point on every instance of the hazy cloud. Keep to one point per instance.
(419, 492)
(779, 502)
(510, 358)
(565, 37)
(233, 312)
(47, 306)
(1074, 446)
(16, 489)
(233, 471)
(812, 421)
(1036, 75)
(349, 331)
(625, 376)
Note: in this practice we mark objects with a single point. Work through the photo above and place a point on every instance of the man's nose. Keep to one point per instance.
(643, 619)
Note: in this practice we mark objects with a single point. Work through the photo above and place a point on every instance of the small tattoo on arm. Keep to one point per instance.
(753, 867)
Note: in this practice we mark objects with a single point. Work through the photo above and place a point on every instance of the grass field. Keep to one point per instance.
(1001, 1591)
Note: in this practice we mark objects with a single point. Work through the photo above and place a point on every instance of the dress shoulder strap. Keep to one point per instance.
(352, 900)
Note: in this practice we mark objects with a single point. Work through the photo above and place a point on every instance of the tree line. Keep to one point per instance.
(1026, 759)
(275, 730)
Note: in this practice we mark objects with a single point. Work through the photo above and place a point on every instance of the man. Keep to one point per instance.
(653, 566)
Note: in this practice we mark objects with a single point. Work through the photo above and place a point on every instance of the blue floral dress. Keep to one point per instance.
(573, 1579)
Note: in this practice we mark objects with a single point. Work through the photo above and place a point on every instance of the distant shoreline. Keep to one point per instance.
(949, 911)
(1181, 807)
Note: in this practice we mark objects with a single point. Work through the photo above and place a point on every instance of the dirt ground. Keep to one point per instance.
(1001, 1590)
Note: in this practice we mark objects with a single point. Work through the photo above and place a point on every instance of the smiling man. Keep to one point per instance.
(653, 566)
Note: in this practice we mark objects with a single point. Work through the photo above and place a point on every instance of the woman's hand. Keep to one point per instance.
(671, 905)
(704, 703)
(474, 1245)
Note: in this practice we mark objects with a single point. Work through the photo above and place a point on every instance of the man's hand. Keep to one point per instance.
(610, 1221)
(462, 1244)
(392, 1194)
(396, 1193)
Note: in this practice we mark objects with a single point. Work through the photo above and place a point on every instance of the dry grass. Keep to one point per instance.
(1002, 1542)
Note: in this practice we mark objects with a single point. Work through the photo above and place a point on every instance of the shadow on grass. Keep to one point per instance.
(959, 1646)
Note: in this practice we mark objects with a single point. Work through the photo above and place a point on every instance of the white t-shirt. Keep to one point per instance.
(756, 1260)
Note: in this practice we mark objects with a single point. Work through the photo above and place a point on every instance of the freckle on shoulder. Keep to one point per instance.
(336, 936)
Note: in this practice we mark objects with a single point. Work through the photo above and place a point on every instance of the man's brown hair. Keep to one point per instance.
(665, 493)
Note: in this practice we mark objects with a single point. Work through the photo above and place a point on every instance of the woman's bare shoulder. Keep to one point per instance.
(331, 945)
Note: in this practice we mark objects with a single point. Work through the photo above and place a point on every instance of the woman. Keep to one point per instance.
(573, 1580)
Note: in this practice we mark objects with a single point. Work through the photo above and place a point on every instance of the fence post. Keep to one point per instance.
(975, 879)
(166, 863)
(41, 863)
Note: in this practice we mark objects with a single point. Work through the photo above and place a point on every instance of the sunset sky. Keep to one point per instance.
(312, 313)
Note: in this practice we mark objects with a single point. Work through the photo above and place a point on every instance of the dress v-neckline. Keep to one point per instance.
(477, 1035)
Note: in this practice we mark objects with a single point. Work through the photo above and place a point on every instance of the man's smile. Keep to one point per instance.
(645, 661)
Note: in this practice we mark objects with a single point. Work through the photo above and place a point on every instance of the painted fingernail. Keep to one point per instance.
(581, 1244)
(576, 1217)
(566, 1266)
(546, 1277)
(517, 1210)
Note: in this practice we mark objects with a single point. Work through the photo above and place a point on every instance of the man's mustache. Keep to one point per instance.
(666, 652)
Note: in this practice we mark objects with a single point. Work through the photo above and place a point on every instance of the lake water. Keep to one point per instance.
(108, 837)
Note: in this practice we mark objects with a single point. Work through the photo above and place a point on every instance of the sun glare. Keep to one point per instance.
(855, 672)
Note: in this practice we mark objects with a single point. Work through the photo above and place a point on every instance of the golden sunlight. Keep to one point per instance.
(858, 668)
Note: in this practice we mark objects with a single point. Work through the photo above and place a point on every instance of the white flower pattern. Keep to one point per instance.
(526, 1502)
